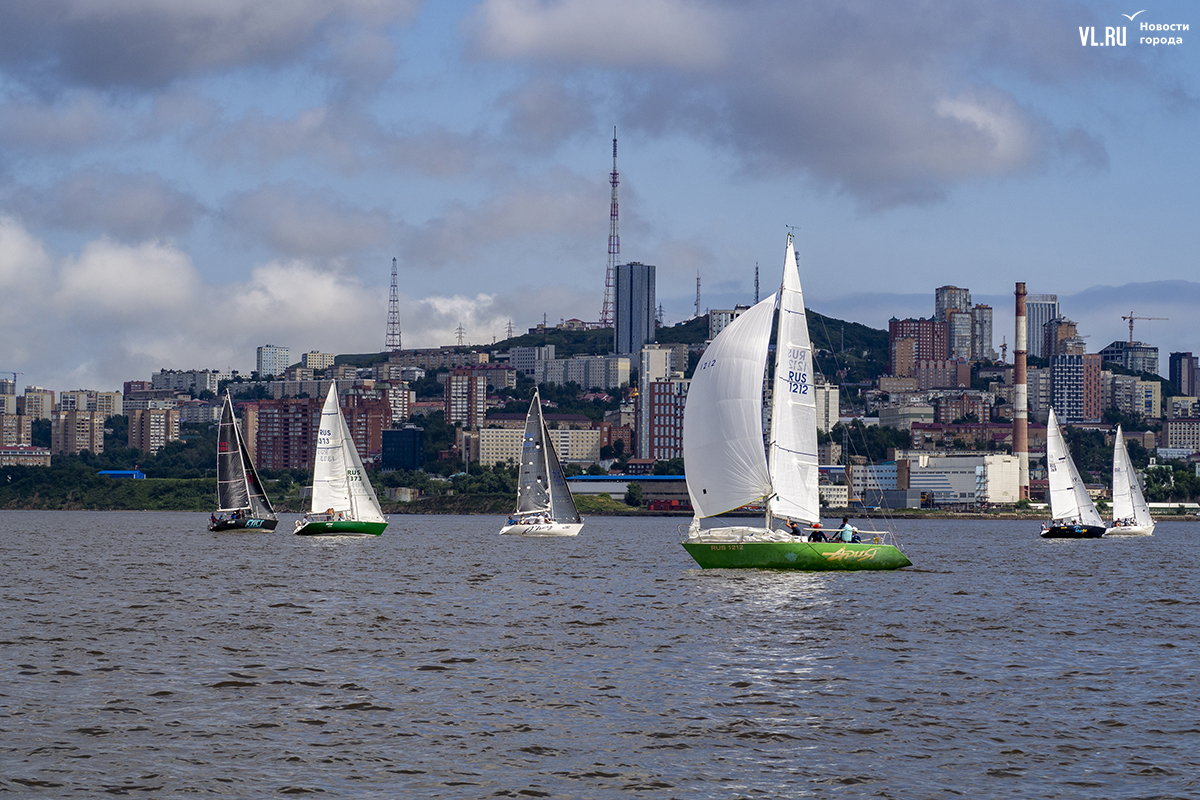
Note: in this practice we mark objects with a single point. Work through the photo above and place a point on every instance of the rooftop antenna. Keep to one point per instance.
(614, 245)
(697, 293)
(392, 343)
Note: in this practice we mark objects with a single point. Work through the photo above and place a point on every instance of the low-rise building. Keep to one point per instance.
(24, 456)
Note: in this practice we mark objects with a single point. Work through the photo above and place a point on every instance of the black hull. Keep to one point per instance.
(244, 524)
(1074, 532)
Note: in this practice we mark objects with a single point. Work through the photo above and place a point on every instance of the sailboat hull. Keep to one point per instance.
(1073, 532)
(550, 529)
(244, 524)
(806, 556)
(343, 527)
(1130, 530)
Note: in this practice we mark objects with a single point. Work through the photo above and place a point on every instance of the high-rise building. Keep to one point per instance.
(287, 432)
(38, 403)
(981, 333)
(1183, 370)
(950, 298)
(719, 318)
(1039, 309)
(465, 398)
(928, 343)
(1133, 356)
(633, 310)
(272, 360)
(15, 430)
(1075, 387)
(76, 431)
(150, 429)
(828, 405)
(660, 418)
(959, 332)
(1055, 333)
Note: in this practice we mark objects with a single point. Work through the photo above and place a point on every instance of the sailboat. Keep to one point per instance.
(725, 460)
(343, 501)
(1072, 515)
(1131, 515)
(241, 502)
(544, 503)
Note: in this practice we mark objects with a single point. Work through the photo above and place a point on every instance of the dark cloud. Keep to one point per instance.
(300, 221)
(892, 103)
(125, 206)
(147, 44)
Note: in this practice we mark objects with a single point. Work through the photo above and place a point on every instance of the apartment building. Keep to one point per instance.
(76, 431)
(150, 429)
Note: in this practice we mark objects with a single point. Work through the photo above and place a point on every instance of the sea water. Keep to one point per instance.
(145, 656)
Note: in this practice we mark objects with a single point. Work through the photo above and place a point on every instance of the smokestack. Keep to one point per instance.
(1021, 400)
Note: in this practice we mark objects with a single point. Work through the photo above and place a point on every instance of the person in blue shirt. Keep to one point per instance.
(847, 530)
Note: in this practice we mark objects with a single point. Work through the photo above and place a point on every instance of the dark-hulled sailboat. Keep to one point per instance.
(241, 502)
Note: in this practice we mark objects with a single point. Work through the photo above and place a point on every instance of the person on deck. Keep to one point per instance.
(793, 528)
(847, 530)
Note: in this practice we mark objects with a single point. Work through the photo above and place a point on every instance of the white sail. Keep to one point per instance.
(339, 481)
(793, 441)
(723, 453)
(1128, 501)
(1068, 497)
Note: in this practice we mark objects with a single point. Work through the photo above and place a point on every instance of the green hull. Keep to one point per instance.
(810, 556)
(342, 528)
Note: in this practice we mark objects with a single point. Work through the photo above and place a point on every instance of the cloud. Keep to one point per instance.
(300, 221)
(889, 103)
(615, 33)
(161, 41)
(126, 206)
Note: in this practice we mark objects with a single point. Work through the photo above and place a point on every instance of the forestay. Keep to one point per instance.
(723, 453)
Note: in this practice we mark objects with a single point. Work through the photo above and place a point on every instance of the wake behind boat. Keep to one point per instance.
(544, 503)
(343, 500)
(241, 502)
(1072, 514)
(725, 460)
(1131, 514)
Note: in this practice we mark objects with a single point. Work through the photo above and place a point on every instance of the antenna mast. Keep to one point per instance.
(614, 246)
(697, 293)
(755, 283)
(392, 343)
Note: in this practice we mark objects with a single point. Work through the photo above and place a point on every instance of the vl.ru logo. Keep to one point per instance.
(1113, 37)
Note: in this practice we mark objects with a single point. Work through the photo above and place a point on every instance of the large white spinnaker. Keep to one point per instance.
(793, 441)
(1068, 496)
(723, 454)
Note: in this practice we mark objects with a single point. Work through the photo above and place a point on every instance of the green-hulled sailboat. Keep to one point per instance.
(343, 501)
(727, 465)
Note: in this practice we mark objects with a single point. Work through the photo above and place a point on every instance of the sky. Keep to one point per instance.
(181, 183)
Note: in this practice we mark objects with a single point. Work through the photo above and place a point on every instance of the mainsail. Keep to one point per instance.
(1068, 496)
(238, 484)
(339, 481)
(541, 485)
(793, 442)
(723, 452)
(1128, 501)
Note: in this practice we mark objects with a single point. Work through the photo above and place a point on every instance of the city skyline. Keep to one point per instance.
(244, 173)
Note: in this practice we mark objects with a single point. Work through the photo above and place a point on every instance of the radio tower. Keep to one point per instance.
(697, 293)
(393, 329)
(755, 283)
(614, 246)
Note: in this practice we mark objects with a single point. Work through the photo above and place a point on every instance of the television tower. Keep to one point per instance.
(392, 343)
(614, 246)
(697, 293)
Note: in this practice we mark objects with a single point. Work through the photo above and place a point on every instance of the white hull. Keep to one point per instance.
(542, 529)
(1131, 530)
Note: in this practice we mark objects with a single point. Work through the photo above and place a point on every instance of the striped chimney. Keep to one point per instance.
(1021, 400)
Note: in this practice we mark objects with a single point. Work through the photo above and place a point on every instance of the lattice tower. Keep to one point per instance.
(614, 245)
(392, 344)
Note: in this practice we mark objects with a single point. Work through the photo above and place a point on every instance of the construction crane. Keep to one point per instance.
(14, 374)
(1131, 318)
